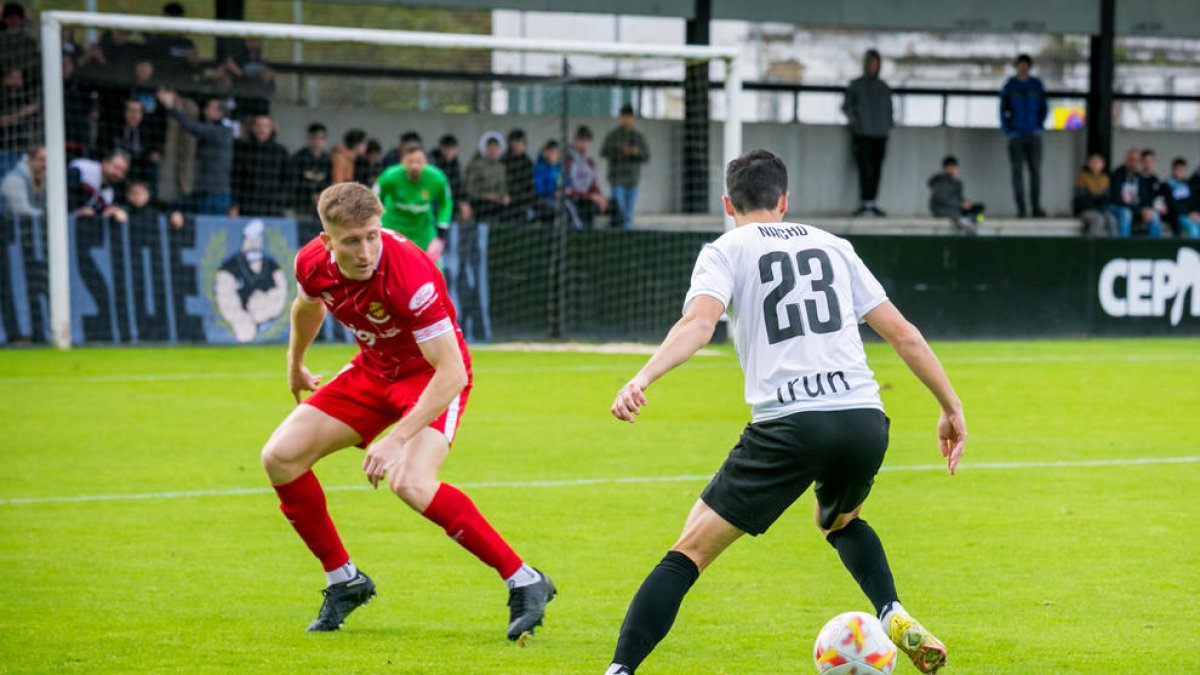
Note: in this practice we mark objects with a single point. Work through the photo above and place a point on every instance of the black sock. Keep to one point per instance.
(654, 608)
(862, 554)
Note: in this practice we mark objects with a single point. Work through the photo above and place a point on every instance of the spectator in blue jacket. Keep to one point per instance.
(1132, 199)
(546, 175)
(1022, 116)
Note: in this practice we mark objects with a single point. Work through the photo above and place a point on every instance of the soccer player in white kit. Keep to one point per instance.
(794, 295)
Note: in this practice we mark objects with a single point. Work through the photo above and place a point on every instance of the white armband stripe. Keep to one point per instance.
(433, 330)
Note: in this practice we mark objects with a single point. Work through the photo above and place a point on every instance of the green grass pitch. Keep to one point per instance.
(1019, 568)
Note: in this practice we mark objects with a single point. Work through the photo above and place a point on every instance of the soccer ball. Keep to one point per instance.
(854, 643)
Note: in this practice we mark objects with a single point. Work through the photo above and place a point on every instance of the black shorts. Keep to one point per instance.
(775, 461)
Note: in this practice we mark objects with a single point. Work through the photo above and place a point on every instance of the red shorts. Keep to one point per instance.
(369, 404)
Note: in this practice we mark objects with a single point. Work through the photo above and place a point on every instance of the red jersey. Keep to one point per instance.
(403, 304)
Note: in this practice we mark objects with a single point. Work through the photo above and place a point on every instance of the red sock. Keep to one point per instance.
(456, 513)
(303, 503)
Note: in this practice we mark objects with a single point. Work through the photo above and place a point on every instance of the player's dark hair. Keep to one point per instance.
(354, 137)
(755, 181)
(949, 160)
(448, 141)
(1178, 161)
(116, 152)
(409, 148)
(172, 9)
(317, 128)
(584, 132)
(1024, 58)
(411, 137)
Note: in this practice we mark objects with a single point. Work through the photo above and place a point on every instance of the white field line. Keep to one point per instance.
(579, 368)
(578, 482)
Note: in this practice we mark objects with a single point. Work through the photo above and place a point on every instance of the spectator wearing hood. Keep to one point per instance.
(1022, 115)
(260, 171)
(868, 107)
(487, 180)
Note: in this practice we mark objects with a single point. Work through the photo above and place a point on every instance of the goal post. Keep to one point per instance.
(52, 22)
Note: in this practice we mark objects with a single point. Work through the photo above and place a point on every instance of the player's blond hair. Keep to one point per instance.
(348, 204)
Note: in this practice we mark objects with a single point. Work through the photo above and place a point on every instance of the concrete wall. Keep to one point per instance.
(824, 181)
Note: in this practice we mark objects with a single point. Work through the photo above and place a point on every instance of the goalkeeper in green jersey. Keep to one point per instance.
(416, 200)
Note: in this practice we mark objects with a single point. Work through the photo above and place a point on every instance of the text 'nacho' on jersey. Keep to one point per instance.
(795, 295)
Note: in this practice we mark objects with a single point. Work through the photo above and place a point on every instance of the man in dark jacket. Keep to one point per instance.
(310, 169)
(1022, 115)
(1132, 202)
(518, 171)
(260, 171)
(211, 192)
(868, 107)
(445, 157)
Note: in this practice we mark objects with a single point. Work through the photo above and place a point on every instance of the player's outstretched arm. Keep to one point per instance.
(911, 346)
(686, 337)
(307, 317)
(449, 379)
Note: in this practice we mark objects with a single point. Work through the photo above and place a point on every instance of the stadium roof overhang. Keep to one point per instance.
(1162, 18)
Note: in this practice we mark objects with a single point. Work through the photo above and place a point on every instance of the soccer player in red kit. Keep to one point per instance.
(413, 369)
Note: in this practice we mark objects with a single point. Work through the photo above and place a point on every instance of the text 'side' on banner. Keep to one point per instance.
(215, 280)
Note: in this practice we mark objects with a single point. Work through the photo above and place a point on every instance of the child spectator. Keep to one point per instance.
(946, 198)
(1091, 200)
(1182, 201)
(546, 175)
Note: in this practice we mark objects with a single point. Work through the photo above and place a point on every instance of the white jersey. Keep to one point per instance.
(795, 295)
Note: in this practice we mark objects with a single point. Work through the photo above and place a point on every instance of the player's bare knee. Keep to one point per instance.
(413, 489)
(698, 556)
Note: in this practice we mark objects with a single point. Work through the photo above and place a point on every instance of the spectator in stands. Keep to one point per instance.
(396, 154)
(311, 171)
(868, 107)
(78, 106)
(582, 182)
(253, 78)
(445, 157)
(1132, 203)
(518, 171)
(260, 171)
(92, 187)
(946, 199)
(1022, 116)
(1091, 199)
(212, 192)
(487, 183)
(19, 117)
(174, 53)
(368, 167)
(20, 50)
(346, 154)
(1183, 201)
(135, 139)
(626, 150)
(24, 187)
(546, 176)
(1158, 197)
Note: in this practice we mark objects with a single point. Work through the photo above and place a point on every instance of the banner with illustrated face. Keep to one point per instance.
(206, 279)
